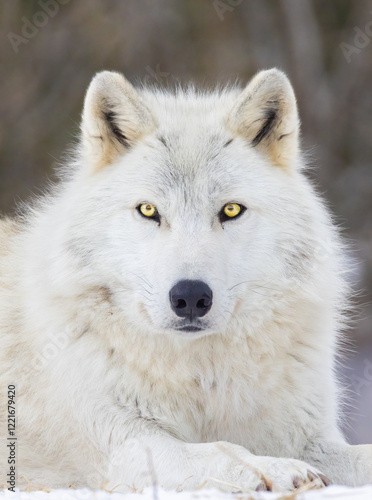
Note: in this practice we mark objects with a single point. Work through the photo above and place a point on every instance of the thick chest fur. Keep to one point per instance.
(233, 394)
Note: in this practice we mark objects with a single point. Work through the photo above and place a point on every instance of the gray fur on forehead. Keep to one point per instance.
(191, 166)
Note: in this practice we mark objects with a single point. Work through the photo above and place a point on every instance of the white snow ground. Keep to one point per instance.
(330, 493)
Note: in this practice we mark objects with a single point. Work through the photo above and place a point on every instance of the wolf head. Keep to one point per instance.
(190, 208)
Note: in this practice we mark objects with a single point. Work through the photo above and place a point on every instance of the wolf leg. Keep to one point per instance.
(173, 464)
(346, 464)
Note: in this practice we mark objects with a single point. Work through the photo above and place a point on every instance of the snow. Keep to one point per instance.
(330, 493)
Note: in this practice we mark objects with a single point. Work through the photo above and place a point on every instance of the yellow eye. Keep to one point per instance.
(232, 209)
(148, 210)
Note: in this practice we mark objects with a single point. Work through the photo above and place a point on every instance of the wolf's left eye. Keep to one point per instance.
(231, 211)
(149, 211)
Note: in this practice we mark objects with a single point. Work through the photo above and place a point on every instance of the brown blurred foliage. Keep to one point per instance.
(324, 46)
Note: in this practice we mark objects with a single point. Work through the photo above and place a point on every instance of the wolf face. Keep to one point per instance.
(190, 209)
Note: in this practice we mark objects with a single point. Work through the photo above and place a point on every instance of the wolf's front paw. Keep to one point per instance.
(285, 474)
(233, 468)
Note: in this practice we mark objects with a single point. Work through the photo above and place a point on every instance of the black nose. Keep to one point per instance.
(191, 299)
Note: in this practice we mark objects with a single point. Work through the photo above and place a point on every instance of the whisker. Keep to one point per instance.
(267, 288)
(241, 283)
(147, 299)
(254, 286)
(143, 279)
(145, 290)
(139, 290)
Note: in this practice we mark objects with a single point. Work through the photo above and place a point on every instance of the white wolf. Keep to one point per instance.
(171, 311)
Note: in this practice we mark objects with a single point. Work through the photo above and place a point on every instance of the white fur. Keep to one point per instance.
(108, 392)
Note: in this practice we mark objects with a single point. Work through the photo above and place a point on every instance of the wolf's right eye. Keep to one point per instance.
(231, 211)
(149, 211)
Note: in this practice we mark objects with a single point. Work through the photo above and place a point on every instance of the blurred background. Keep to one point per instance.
(50, 49)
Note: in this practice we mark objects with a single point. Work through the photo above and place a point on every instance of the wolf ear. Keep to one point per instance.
(266, 114)
(114, 118)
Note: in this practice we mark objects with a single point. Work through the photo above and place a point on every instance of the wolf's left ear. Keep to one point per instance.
(114, 118)
(266, 114)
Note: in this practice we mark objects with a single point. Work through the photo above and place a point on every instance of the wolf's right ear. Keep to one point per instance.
(266, 115)
(114, 118)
